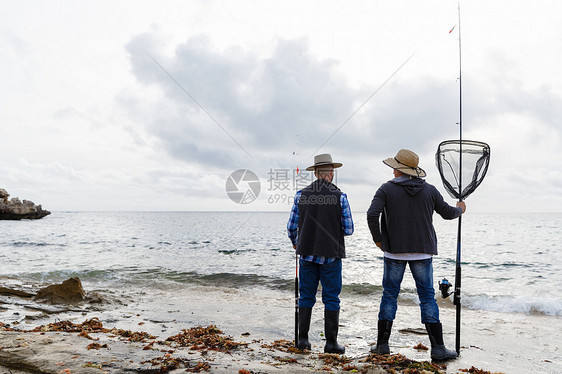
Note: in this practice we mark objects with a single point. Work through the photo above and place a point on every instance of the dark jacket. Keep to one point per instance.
(320, 227)
(407, 206)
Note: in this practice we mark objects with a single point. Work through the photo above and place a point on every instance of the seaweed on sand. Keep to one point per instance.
(332, 361)
(205, 338)
(167, 363)
(62, 326)
(284, 345)
(96, 346)
(474, 370)
(88, 326)
(133, 336)
(93, 325)
(401, 364)
(421, 347)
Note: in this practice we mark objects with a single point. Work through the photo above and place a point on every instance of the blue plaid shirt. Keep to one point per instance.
(293, 226)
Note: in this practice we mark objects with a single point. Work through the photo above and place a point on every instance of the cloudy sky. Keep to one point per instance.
(145, 105)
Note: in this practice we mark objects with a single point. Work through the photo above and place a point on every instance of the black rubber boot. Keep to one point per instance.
(438, 350)
(331, 325)
(383, 334)
(304, 326)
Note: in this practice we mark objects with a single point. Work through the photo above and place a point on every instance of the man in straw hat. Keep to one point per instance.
(320, 218)
(406, 235)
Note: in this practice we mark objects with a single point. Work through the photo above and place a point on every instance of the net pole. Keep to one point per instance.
(296, 268)
(457, 297)
(458, 270)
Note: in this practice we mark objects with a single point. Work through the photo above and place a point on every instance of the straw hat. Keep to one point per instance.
(406, 162)
(323, 160)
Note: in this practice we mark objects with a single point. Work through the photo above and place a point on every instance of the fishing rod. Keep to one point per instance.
(476, 155)
(458, 270)
(296, 300)
(455, 189)
(295, 153)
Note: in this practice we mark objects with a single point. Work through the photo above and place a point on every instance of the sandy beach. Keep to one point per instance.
(262, 328)
(63, 352)
(54, 349)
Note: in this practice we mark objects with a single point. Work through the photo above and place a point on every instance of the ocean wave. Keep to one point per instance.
(515, 304)
(499, 265)
(248, 280)
(229, 280)
(156, 277)
(57, 276)
(362, 289)
(235, 251)
(33, 244)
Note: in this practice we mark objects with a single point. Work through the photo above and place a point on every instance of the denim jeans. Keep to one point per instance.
(329, 275)
(422, 271)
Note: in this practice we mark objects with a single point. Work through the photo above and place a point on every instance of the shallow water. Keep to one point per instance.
(508, 261)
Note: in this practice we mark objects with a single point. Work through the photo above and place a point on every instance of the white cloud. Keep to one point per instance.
(211, 100)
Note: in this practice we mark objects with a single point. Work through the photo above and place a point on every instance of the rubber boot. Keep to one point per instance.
(383, 334)
(331, 325)
(304, 326)
(438, 350)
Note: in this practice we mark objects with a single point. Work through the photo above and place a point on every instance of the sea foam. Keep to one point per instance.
(515, 304)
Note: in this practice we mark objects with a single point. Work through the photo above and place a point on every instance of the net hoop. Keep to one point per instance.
(475, 161)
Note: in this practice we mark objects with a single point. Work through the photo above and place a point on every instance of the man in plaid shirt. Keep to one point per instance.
(319, 220)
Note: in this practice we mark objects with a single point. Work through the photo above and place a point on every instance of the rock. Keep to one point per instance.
(14, 209)
(51, 353)
(69, 291)
(12, 292)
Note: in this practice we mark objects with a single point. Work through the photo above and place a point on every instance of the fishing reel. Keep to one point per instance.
(444, 286)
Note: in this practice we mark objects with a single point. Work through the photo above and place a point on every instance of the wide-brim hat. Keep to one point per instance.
(406, 162)
(324, 160)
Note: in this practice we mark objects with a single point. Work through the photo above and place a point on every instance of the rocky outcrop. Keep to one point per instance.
(69, 291)
(14, 209)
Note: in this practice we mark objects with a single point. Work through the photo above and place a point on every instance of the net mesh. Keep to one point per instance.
(475, 161)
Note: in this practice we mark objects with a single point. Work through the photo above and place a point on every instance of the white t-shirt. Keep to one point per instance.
(407, 256)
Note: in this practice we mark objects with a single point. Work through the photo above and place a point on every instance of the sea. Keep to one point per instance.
(166, 271)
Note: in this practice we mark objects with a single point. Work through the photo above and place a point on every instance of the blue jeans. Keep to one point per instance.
(422, 271)
(329, 275)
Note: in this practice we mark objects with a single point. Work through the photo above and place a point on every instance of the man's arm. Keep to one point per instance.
(293, 224)
(445, 210)
(346, 219)
(373, 216)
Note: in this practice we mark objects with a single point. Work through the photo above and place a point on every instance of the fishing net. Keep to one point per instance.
(475, 158)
